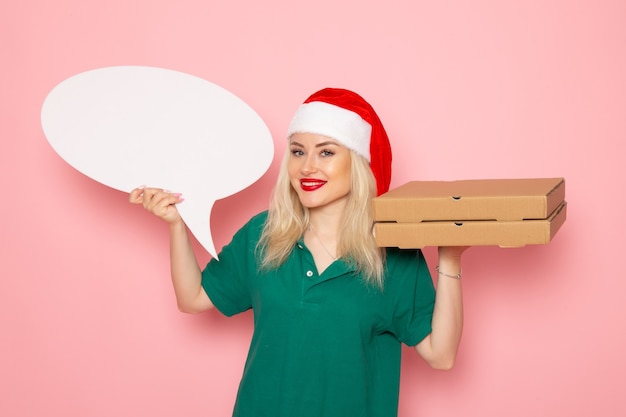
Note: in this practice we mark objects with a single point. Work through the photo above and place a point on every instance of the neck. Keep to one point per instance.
(325, 223)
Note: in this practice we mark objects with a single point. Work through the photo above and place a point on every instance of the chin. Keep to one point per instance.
(309, 205)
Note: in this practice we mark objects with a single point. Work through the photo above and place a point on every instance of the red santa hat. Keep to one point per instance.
(346, 117)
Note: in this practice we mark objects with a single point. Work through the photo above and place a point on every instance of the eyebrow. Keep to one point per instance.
(319, 145)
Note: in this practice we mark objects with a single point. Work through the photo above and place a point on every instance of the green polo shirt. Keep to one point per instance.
(323, 344)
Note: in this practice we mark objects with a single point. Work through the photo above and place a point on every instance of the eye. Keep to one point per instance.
(327, 152)
(297, 152)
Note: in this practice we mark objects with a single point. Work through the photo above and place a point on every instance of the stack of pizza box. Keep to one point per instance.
(499, 212)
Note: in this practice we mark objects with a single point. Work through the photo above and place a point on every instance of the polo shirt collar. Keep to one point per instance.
(338, 268)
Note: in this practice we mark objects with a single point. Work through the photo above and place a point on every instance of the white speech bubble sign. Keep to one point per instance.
(129, 126)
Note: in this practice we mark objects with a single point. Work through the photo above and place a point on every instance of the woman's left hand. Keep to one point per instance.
(450, 260)
(452, 252)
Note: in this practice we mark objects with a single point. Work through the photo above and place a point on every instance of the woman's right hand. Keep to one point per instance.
(159, 202)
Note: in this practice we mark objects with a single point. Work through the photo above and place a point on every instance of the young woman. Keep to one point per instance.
(331, 309)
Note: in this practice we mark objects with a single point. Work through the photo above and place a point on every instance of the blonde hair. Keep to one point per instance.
(288, 219)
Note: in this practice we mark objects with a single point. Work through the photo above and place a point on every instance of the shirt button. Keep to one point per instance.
(309, 274)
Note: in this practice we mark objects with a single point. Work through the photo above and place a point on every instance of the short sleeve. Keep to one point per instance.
(225, 279)
(410, 288)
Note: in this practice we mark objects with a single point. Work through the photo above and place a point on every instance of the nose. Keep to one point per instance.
(309, 165)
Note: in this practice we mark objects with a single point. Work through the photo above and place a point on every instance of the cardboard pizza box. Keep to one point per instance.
(513, 233)
(506, 213)
(489, 199)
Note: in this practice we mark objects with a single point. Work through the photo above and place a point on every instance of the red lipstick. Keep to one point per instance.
(311, 184)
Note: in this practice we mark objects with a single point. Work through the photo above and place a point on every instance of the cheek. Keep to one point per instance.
(346, 169)
(344, 172)
(292, 169)
(294, 176)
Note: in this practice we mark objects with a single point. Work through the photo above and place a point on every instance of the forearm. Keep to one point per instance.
(440, 347)
(186, 274)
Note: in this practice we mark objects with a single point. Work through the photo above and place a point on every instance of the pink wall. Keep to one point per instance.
(481, 89)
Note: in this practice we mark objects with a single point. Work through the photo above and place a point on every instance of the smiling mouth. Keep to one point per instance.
(308, 184)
